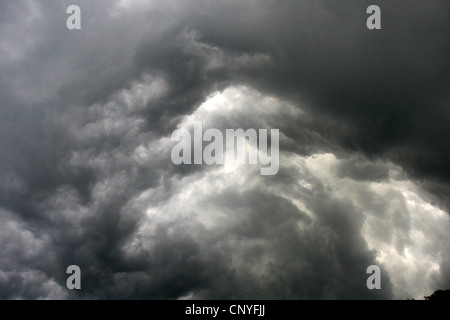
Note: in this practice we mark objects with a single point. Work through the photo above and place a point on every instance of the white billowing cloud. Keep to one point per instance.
(408, 235)
(417, 251)
(249, 222)
(243, 102)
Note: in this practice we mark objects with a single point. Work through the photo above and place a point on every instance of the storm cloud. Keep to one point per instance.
(86, 118)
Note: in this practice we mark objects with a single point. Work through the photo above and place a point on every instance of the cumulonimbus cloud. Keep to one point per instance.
(85, 170)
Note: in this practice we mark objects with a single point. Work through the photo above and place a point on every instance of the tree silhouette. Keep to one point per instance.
(439, 295)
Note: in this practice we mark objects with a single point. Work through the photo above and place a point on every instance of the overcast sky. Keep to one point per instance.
(86, 177)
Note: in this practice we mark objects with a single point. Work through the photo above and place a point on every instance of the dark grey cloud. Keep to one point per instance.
(392, 86)
(85, 171)
(362, 171)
